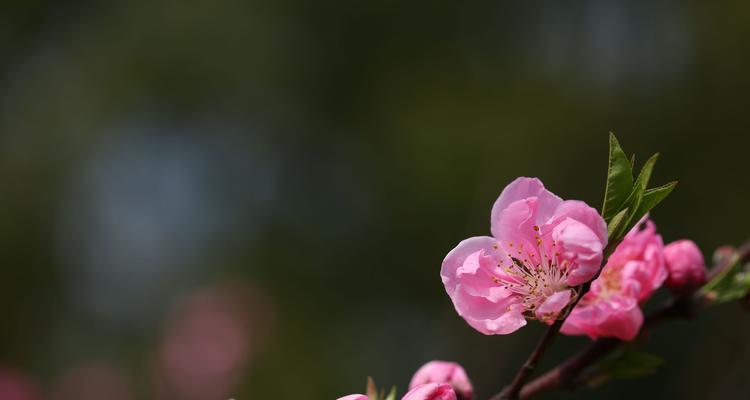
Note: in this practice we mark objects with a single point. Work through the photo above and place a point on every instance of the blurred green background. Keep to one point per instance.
(203, 200)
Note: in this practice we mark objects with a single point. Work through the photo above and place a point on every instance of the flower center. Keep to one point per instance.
(610, 281)
(532, 274)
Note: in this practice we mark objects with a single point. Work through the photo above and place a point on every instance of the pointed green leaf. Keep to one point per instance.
(632, 161)
(639, 188)
(619, 180)
(645, 175)
(652, 197)
(615, 225)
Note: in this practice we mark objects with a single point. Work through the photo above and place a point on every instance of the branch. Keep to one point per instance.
(567, 375)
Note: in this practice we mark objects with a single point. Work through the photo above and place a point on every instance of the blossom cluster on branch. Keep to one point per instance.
(577, 270)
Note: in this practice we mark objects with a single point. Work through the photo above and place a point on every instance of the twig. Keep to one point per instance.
(528, 367)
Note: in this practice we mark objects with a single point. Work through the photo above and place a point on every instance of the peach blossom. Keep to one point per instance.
(632, 274)
(541, 249)
(687, 269)
(444, 372)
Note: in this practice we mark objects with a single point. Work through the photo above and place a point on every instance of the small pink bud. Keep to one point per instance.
(353, 397)
(444, 372)
(687, 269)
(431, 391)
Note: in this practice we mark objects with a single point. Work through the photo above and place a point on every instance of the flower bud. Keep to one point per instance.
(431, 391)
(444, 372)
(687, 269)
(353, 397)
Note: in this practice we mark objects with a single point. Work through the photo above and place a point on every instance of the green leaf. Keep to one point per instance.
(652, 197)
(392, 394)
(635, 198)
(614, 228)
(627, 364)
(729, 285)
(619, 180)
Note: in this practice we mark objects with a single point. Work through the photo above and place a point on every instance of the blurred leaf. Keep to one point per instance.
(374, 394)
(619, 180)
(626, 364)
(730, 285)
(372, 390)
(392, 394)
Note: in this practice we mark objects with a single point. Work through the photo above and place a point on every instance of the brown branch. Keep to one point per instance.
(567, 375)
(513, 391)
(528, 367)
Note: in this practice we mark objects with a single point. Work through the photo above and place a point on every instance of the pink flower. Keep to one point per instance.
(633, 272)
(542, 248)
(444, 372)
(687, 269)
(431, 391)
(353, 397)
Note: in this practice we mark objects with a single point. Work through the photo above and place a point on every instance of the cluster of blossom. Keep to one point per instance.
(436, 380)
(533, 267)
(543, 248)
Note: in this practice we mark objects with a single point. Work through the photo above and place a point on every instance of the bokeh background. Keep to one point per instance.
(213, 199)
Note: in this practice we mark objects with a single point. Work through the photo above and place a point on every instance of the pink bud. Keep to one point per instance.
(353, 397)
(444, 372)
(431, 391)
(687, 269)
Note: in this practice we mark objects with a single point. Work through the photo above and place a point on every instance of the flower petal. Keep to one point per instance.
(550, 309)
(467, 274)
(581, 247)
(431, 391)
(520, 189)
(617, 316)
(354, 397)
(584, 214)
(456, 257)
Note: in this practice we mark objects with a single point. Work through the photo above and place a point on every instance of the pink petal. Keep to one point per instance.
(641, 258)
(507, 322)
(456, 257)
(584, 214)
(549, 310)
(467, 275)
(581, 247)
(520, 189)
(431, 391)
(354, 397)
(515, 224)
(616, 316)
(444, 372)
